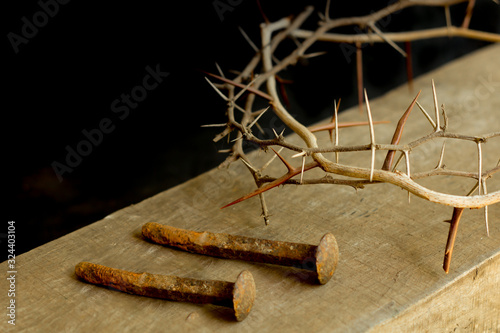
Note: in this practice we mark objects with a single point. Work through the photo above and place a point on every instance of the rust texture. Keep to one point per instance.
(321, 259)
(239, 295)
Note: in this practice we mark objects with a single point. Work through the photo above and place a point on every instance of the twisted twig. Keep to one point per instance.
(360, 176)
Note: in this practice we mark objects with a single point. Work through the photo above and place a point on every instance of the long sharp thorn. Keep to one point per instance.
(257, 118)
(273, 184)
(288, 166)
(224, 97)
(220, 70)
(400, 158)
(426, 115)
(407, 158)
(398, 133)
(359, 75)
(480, 166)
(485, 191)
(254, 47)
(372, 135)
(436, 107)
(239, 85)
(214, 125)
(372, 165)
(249, 166)
(327, 11)
(441, 156)
(337, 130)
(331, 126)
(387, 40)
(468, 13)
(246, 88)
(302, 169)
(452, 234)
(270, 160)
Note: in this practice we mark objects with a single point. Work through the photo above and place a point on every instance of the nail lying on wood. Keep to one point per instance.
(324, 256)
(238, 295)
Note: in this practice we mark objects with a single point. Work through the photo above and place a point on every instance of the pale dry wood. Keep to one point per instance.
(389, 276)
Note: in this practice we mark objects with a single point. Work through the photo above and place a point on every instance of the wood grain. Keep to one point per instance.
(389, 276)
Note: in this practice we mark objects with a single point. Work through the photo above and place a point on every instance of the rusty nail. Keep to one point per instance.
(238, 295)
(324, 256)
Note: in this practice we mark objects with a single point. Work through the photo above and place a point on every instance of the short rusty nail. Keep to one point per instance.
(238, 295)
(324, 256)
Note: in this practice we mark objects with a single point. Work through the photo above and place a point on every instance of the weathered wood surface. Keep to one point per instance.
(389, 277)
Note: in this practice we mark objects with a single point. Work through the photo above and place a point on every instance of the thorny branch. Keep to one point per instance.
(253, 77)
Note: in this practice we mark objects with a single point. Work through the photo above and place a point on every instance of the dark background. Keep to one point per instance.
(64, 79)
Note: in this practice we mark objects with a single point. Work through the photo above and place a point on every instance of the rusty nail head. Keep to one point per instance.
(239, 295)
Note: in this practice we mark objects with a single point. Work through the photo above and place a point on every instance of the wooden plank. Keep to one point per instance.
(389, 276)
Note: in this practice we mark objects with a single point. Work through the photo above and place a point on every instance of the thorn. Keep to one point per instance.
(273, 184)
(436, 108)
(372, 135)
(485, 191)
(237, 139)
(217, 90)
(372, 165)
(335, 116)
(452, 234)
(331, 126)
(239, 108)
(387, 40)
(400, 158)
(270, 161)
(288, 166)
(427, 115)
(239, 85)
(448, 17)
(445, 117)
(398, 133)
(262, 12)
(278, 136)
(327, 11)
(254, 47)
(473, 189)
(468, 13)
(214, 125)
(480, 166)
(359, 75)
(370, 121)
(249, 166)
(257, 118)
(282, 88)
(407, 158)
(242, 91)
(219, 69)
(441, 157)
(302, 169)
(302, 153)
(315, 54)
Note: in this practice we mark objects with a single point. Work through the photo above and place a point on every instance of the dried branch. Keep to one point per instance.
(263, 69)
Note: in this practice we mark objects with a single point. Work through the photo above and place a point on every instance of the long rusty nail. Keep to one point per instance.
(323, 256)
(238, 295)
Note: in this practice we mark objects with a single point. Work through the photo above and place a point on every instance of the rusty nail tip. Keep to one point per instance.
(170, 287)
(325, 254)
